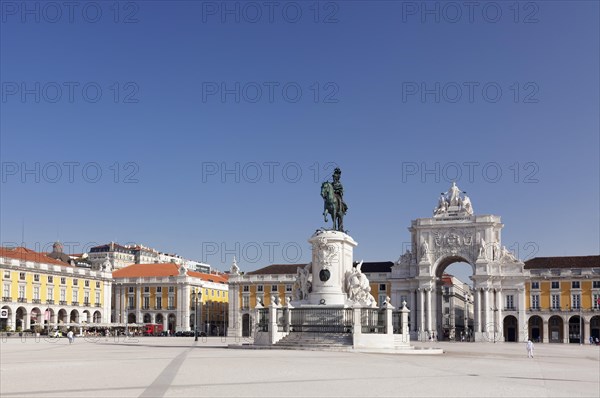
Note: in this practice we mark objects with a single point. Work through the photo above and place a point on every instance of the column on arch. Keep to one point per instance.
(486, 309)
(183, 306)
(498, 307)
(413, 309)
(118, 302)
(165, 320)
(523, 328)
(27, 320)
(138, 304)
(421, 292)
(429, 309)
(545, 330)
(477, 310)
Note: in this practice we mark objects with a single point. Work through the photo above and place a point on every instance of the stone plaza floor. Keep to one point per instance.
(178, 367)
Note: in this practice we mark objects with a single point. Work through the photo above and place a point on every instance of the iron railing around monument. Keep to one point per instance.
(397, 322)
(321, 320)
(373, 320)
(282, 319)
(263, 320)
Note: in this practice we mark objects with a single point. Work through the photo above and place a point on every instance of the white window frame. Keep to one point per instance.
(510, 301)
(535, 301)
(555, 301)
(575, 301)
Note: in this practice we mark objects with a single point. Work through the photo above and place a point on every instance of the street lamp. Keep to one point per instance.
(208, 305)
(196, 295)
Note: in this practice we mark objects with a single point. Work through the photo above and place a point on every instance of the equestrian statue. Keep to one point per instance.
(333, 197)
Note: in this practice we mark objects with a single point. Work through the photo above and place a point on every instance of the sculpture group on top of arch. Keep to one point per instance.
(453, 202)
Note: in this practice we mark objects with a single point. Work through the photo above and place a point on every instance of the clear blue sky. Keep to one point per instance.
(166, 124)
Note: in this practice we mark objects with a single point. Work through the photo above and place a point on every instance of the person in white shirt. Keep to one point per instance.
(529, 349)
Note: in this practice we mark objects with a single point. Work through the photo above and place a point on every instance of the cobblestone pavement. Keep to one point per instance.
(177, 366)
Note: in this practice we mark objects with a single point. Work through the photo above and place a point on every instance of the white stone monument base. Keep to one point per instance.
(328, 299)
(331, 253)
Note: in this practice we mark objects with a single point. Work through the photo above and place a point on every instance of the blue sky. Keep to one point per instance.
(207, 117)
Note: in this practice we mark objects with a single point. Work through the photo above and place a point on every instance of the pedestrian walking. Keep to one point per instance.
(529, 349)
(70, 336)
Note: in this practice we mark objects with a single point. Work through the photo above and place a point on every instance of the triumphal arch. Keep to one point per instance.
(455, 233)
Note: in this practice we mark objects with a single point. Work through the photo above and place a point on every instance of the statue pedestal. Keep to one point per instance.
(332, 256)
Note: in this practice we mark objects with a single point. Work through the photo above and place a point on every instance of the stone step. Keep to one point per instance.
(315, 340)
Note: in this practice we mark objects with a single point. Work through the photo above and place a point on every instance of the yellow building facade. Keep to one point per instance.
(39, 291)
(161, 293)
(564, 299)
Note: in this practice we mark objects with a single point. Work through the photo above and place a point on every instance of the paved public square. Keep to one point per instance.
(177, 366)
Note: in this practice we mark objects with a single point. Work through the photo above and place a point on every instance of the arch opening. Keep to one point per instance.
(454, 299)
(555, 329)
(595, 328)
(511, 328)
(536, 329)
(575, 330)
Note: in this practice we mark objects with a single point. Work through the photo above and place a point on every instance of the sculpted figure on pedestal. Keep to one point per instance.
(358, 287)
(482, 249)
(406, 258)
(106, 265)
(442, 206)
(303, 285)
(466, 204)
(454, 195)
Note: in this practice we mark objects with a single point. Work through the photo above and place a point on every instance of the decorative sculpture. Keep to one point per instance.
(303, 285)
(333, 197)
(106, 265)
(482, 250)
(234, 270)
(406, 258)
(452, 201)
(358, 288)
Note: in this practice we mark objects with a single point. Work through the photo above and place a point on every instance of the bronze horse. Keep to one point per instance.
(333, 205)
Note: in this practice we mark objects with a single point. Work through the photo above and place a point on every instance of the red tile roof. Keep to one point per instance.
(563, 262)
(209, 277)
(25, 254)
(277, 269)
(162, 269)
(146, 270)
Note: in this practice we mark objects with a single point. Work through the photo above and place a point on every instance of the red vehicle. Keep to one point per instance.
(153, 329)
